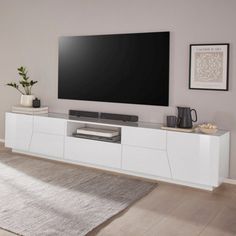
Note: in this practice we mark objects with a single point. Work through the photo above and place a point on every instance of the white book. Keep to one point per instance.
(19, 107)
(29, 109)
(97, 132)
(30, 112)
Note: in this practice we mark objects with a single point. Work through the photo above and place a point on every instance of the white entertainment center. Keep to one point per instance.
(145, 150)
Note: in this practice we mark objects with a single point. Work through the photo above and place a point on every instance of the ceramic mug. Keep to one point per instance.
(171, 121)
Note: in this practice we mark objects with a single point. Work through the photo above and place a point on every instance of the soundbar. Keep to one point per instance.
(78, 113)
(111, 116)
(103, 115)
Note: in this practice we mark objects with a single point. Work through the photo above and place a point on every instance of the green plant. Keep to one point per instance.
(24, 81)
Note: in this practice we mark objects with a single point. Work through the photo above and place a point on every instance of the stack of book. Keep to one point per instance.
(30, 110)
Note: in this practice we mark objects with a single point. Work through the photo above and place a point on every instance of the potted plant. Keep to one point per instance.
(24, 81)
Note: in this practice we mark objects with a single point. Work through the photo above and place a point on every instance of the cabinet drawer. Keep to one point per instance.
(146, 161)
(47, 144)
(49, 125)
(142, 137)
(93, 152)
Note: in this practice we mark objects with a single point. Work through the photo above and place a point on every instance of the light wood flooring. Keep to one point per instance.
(171, 210)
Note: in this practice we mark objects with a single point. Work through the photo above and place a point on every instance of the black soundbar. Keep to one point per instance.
(78, 113)
(102, 115)
(111, 116)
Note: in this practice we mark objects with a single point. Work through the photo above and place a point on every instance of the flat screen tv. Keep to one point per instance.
(120, 68)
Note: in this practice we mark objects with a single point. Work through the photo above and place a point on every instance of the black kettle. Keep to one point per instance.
(185, 117)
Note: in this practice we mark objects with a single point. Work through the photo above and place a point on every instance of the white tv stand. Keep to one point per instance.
(145, 150)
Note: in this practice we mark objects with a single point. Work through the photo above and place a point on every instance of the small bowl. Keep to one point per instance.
(208, 131)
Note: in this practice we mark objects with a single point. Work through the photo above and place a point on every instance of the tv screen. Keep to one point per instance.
(119, 68)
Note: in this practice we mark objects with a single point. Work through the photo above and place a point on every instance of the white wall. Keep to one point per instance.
(29, 32)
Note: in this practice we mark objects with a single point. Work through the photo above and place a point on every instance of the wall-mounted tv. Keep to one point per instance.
(120, 68)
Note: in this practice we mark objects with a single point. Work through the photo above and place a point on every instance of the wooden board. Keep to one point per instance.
(178, 129)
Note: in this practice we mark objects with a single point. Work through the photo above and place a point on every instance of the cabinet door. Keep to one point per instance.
(18, 131)
(194, 158)
(47, 144)
(146, 161)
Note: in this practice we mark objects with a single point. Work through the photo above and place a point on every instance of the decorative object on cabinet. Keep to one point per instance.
(24, 81)
(27, 100)
(185, 120)
(36, 103)
(208, 128)
(209, 65)
(171, 121)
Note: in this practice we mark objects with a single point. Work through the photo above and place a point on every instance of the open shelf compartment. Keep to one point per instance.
(73, 126)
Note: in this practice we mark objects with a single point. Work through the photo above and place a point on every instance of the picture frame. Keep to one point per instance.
(209, 67)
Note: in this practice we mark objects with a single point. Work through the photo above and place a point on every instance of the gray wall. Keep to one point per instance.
(29, 32)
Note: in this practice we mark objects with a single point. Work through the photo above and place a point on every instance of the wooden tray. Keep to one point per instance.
(178, 129)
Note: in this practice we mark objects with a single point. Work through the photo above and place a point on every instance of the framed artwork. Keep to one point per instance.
(209, 66)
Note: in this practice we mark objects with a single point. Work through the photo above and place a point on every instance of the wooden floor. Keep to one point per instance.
(171, 210)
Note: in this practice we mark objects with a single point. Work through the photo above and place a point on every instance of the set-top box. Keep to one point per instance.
(97, 132)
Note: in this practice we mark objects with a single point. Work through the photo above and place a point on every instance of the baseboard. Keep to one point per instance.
(2, 141)
(230, 181)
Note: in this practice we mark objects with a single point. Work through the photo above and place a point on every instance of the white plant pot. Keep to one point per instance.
(27, 100)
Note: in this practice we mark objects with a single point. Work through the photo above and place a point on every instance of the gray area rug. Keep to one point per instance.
(39, 197)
